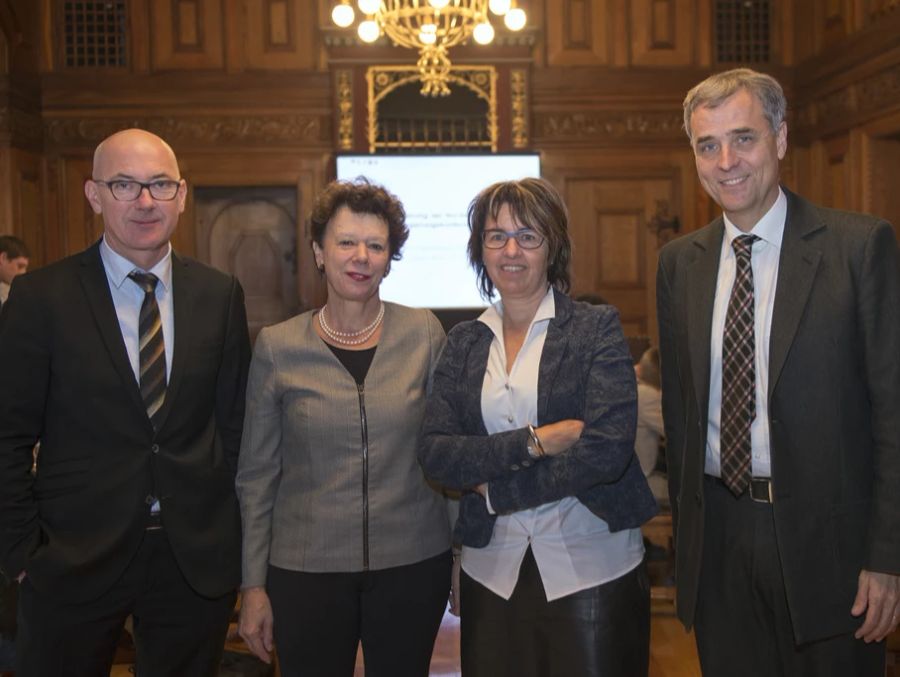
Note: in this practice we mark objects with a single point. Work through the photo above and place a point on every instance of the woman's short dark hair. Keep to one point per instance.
(360, 196)
(533, 203)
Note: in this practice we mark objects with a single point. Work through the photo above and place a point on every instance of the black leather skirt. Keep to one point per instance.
(598, 632)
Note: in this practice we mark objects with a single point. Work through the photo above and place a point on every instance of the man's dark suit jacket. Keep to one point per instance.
(834, 406)
(586, 374)
(75, 526)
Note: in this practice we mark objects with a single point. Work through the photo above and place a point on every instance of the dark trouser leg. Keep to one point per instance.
(176, 631)
(402, 609)
(604, 630)
(743, 625)
(317, 622)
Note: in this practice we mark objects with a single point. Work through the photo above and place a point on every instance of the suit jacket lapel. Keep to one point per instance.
(702, 274)
(796, 271)
(183, 307)
(99, 300)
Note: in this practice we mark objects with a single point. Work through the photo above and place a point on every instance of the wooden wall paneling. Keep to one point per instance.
(187, 34)
(884, 168)
(614, 252)
(79, 226)
(836, 191)
(663, 32)
(4, 52)
(139, 28)
(578, 32)
(27, 218)
(281, 34)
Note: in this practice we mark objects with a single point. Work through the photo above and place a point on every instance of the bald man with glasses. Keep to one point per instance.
(130, 363)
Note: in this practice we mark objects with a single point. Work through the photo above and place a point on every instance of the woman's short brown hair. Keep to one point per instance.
(533, 203)
(360, 196)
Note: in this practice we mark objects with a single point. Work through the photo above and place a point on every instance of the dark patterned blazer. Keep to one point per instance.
(834, 419)
(586, 374)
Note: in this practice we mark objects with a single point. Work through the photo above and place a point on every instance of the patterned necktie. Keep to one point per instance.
(152, 349)
(738, 373)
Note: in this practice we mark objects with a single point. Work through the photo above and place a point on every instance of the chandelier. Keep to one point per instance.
(430, 26)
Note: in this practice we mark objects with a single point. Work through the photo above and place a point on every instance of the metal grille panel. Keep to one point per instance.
(743, 31)
(95, 33)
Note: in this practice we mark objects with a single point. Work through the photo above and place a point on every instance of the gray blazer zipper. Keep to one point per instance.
(365, 473)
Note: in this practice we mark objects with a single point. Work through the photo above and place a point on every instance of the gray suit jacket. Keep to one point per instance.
(310, 499)
(834, 392)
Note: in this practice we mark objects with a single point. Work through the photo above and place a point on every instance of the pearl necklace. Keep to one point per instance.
(350, 338)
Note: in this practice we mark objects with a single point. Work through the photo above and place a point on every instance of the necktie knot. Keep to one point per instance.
(146, 281)
(742, 245)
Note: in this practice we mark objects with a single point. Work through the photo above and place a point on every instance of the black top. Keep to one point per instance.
(357, 362)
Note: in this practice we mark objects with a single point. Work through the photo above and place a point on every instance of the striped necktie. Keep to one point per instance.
(152, 348)
(738, 373)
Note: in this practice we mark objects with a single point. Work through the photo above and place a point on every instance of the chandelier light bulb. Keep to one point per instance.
(515, 19)
(499, 7)
(428, 34)
(342, 15)
(483, 33)
(439, 4)
(368, 31)
(368, 6)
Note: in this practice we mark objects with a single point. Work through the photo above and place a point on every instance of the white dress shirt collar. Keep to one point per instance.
(118, 267)
(769, 228)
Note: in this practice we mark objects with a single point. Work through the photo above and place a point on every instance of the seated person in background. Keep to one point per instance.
(650, 423)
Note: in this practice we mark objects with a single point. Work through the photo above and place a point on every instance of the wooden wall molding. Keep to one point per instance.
(295, 130)
(830, 112)
(626, 127)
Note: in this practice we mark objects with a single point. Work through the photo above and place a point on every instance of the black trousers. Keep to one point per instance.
(176, 631)
(742, 624)
(320, 619)
(598, 632)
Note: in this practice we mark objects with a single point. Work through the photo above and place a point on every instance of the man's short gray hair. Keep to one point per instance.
(713, 92)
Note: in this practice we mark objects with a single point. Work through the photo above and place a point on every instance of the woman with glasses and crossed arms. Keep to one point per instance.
(532, 416)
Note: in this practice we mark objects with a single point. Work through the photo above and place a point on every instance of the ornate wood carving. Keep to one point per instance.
(606, 126)
(843, 108)
(518, 85)
(344, 88)
(275, 130)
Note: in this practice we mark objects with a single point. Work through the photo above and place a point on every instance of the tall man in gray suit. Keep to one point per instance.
(779, 326)
(129, 363)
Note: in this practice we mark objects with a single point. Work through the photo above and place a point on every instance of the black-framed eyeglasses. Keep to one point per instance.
(126, 190)
(526, 238)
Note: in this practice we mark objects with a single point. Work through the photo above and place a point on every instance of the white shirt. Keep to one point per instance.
(127, 297)
(573, 548)
(764, 263)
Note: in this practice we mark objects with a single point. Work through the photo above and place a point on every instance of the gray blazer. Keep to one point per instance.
(586, 374)
(834, 390)
(300, 472)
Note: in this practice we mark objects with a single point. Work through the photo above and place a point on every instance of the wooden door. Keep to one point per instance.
(251, 233)
(614, 236)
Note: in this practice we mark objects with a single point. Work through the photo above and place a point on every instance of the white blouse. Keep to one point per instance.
(574, 549)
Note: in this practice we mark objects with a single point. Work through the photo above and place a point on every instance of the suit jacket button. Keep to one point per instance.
(150, 500)
(155, 448)
(514, 467)
(698, 498)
